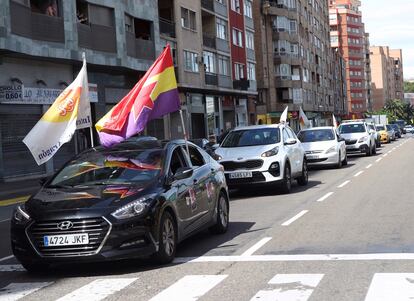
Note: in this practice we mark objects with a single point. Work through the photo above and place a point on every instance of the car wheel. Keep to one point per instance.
(369, 151)
(345, 161)
(35, 268)
(374, 151)
(304, 178)
(222, 222)
(286, 186)
(167, 240)
(339, 164)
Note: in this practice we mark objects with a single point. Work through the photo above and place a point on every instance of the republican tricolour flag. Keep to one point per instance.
(153, 96)
(69, 111)
(303, 120)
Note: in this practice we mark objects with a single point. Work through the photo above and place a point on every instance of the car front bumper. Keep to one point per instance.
(357, 147)
(322, 159)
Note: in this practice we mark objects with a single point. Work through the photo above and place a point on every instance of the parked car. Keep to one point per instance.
(371, 127)
(384, 135)
(397, 130)
(391, 132)
(206, 145)
(263, 154)
(132, 200)
(323, 146)
(358, 137)
(409, 129)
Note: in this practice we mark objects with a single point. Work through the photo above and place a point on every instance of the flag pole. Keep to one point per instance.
(90, 128)
(184, 131)
(91, 132)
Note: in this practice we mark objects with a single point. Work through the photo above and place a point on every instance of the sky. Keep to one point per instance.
(391, 23)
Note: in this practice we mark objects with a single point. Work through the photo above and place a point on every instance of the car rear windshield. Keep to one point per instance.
(123, 167)
(380, 128)
(252, 137)
(316, 135)
(351, 128)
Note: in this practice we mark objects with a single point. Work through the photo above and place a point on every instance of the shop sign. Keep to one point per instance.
(36, 96)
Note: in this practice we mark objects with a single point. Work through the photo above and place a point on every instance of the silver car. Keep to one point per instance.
(358, 137)
(323, 146)
(263, 154)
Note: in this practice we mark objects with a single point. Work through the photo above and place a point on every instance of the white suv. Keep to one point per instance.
(358, 137)
(263, 154)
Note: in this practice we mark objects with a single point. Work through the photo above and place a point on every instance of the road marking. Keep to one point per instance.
(344, 184)
(6, 258)
(98, 289)
(288, 287)
(384, 155)
(297, 216)
(325, 197)
(358, 173)
(391, 286)
(5, 220)
(13, 201)
(12, 268)
(299, 257)
(389, 152)
(379, 159)
(369, 166)
(189, 288)
(16, 291)
(256, 246)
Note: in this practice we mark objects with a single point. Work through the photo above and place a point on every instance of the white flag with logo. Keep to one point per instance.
(69, 111)
(284, 116)
(303, 120)
(335, 124)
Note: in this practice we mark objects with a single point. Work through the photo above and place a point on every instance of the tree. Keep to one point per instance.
(408, 87)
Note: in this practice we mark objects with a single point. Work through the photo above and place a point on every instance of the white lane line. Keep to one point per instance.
(299, 257)
(289, 287)
(358, 173)
(389, 152)
(369, 166)
(344, 183)
(384, 155)
(297, 216)
(5, 220)
(12, 268)
(6, 258)
(391, 286)
(325, 197)
(256, 246)
(379, 159)
(189, 288)
(98, 289)
(16, 291)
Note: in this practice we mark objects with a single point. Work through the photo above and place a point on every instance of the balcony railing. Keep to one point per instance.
(140, 48)
(97, 37)
(209, 40)
(35, 26)
(167, 27)
(242, 84)
(208, 4)
(211, 79)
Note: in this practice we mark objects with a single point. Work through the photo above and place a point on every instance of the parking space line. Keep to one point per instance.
(12, 268)
(384, 155)
(6, 258)
(256, 246)
(344, 183)
(5, 220)
(358, 173)
(297, 216)
(369, 166)
(379, 159)
(16, 291)
(325, 197)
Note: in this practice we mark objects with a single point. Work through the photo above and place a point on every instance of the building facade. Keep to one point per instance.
(295, 64)
(387, 75)
(367, 71)
(348, 36)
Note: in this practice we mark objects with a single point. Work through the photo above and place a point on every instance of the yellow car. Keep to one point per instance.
(383, 134)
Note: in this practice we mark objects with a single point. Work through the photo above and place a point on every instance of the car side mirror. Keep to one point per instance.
(183, 173)
(340, 139)
(290, 141)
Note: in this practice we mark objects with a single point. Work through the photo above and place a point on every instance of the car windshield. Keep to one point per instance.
(251, 137)
(351, 128)
(380, 128)
(122, 167)
(316, 135)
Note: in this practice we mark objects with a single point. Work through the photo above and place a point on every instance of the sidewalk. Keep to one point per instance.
(18, 189)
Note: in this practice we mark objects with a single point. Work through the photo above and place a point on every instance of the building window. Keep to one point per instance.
(283, 70)
(223, 65)
(237, 37)
(235, 5)
(188, 19)
(190, 61)
(209, 62)
(250, 40)
(248, 8)
(238, 71)
(221, 29)
(251, 71)
(49, 8)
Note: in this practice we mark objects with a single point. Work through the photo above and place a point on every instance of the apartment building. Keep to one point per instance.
(211, 41)
(387, 75)
(348, 36)
(295, 62)
(367, 71)
(41, 44)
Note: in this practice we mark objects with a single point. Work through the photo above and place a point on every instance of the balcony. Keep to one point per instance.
(35, 26)
(208, 4)
(140, 48)
(225, 81)
(241, 84)
(167, 28)
(211, 79)
(209, 41)
(97, 37)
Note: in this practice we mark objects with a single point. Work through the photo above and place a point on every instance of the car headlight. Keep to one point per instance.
(363, 139)
(272, 152)
(132, 209)
(20, 216)
(217, 157)
(331, 150)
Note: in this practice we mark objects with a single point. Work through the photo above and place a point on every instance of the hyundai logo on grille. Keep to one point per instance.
(66, 225)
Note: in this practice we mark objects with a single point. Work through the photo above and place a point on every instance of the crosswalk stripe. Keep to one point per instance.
(12, 268)
(391, 286)
(298, 287)
(16, 291)
(189, 288)
(98, 289)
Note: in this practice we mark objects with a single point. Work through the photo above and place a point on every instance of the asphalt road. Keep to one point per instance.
(348, 235)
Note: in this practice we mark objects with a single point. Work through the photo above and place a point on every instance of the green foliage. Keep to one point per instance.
(408, 87)
(396, 109)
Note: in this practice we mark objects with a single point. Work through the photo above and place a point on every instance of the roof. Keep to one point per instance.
(256, 127)
(319, 128)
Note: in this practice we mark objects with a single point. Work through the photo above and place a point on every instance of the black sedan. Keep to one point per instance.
(133, 200)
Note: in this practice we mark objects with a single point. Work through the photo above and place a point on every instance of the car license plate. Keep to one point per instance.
(66, 240)
(241, 175)
(312, 157)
